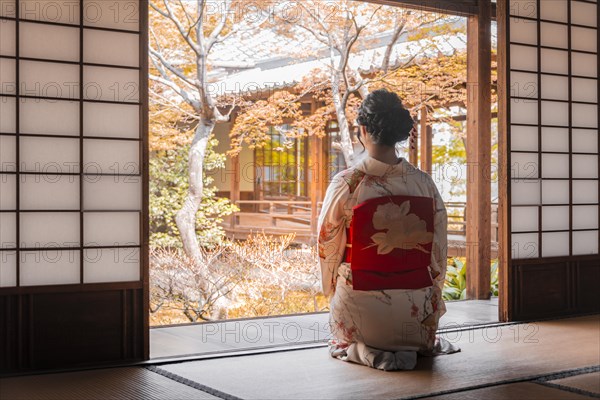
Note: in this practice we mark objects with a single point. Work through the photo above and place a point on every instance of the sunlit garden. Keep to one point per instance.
(245, 105)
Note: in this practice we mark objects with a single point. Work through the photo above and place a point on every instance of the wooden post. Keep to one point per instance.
(413, 150)
(505, 302)
(234, 196)
(426, 142)
(479, 149)
(313, 176)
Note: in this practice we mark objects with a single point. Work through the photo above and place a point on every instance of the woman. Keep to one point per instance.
(385, 300)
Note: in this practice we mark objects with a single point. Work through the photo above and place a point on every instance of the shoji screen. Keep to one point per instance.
(72, 178)
(551, 62)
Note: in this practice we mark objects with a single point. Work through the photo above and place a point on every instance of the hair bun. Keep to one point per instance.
(384, 116)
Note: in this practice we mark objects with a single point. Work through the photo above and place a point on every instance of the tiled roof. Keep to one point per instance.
(273, 60)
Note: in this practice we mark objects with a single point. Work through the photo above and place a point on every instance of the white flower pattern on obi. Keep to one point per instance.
(404, 231)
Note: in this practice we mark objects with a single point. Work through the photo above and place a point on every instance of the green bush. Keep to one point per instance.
(455, 287)
(168, 188)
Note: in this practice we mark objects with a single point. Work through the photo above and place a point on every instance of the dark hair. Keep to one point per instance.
(384, 116)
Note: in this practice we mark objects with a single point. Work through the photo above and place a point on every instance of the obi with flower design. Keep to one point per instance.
(389, 243)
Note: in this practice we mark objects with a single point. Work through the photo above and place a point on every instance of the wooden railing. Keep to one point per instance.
(284, 216)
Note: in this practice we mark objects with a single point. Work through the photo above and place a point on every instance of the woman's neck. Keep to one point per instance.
(385, 154)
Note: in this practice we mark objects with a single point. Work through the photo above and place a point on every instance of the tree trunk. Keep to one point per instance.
(340, 112)
(186, 217)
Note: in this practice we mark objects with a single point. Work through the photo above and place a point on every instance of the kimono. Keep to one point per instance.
(383, 329)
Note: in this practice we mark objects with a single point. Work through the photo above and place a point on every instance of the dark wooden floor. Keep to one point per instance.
(544, 360)
(296, 331)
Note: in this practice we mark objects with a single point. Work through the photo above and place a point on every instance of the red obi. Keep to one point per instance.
(389, 243)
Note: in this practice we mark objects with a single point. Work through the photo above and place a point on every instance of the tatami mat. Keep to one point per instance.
(489, 356)
(105, 384)
(589, 383)
(515, 391)
(287, 331)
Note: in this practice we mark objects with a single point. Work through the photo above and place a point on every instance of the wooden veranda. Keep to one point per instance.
(282, 217)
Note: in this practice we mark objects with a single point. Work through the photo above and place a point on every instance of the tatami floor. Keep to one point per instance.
(557, 359)
(294, 331)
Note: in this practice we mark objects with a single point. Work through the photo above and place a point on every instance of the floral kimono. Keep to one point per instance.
(383, 329)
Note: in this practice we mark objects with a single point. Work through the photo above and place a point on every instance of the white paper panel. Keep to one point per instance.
(584, 64)
(585, 192)
(584, 39)
(111, 120)
(111, 156)
(120, 14)
(585, 243)
(555, 113)
(524, 138)
(111, 84)
(555, 139)
(115, 48)
(523, 31)
(584, 13)
(555, 166)
(524, 165)
(111, 265)
(585, 115)
(49, 230)
(554, 35)
(555, 87)
(8, 8)
(49, 192)
(523, 111)
(523, 85)
(8, 192)
(585, 217)
(555, 218)
(50, 42)
(8, 152)
(62, 11)
(585, 166)
(525, 192)
(8, 230)
(8, 114)
(49, 155)
(585, 141)
(112, 193)
(556, 10)
(555, 61)
(555, 192)
(111, 229)
(555, 244)
(523, 8)
(48, 79)
(8, 269)
(585, 90)
(47, 117)
(49, 267)
(8, 76)
(524, 219)
(525, 245)
(523, 57)
(8, 42)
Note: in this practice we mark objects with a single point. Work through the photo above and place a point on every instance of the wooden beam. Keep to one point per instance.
(462, 8)
(426, 141)
(505, 305)
(479, 150)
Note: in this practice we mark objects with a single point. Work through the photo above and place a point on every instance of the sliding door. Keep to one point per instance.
(73, 177)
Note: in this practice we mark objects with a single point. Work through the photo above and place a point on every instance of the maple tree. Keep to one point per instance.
(340, 31)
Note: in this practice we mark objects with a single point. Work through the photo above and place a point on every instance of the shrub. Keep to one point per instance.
(168, 188)
(455, 287)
